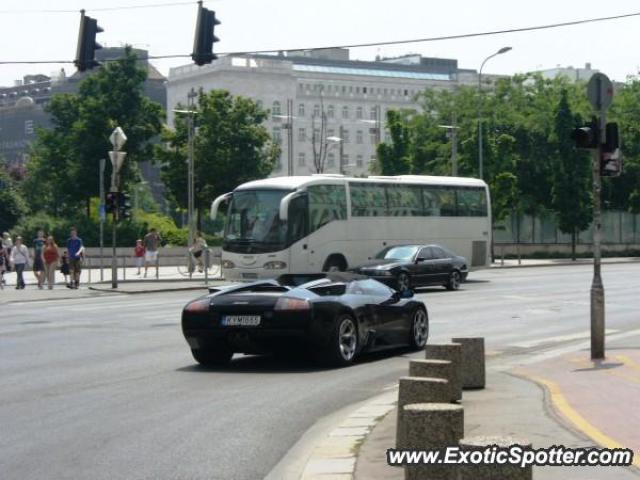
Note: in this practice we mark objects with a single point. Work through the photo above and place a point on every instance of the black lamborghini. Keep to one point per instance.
(333, 315)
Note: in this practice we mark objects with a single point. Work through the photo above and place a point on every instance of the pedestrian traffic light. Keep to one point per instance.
(587, 136)
(611, 156)
(124, 206)
(87, 46)
(111, 202)
(204, 38)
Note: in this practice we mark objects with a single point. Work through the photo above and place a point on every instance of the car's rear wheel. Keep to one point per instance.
(454, 281)
(419, 332)
(403, 282)
(212, 357)
(343, 342)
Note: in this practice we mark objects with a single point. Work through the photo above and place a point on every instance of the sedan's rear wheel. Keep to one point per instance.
(343, 343)
(403, 282)
(454, 281)
(419, 332)
(212, 357)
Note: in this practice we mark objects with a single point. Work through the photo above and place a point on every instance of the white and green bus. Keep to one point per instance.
(333, 222)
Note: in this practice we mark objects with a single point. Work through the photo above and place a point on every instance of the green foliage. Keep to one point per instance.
(63, 170)
(394, 157)
(231, 146)
(12, 205)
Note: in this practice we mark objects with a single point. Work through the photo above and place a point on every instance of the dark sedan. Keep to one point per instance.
(406, 266)
(333, 315)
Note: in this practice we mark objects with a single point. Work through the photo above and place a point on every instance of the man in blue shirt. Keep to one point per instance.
(75, 249)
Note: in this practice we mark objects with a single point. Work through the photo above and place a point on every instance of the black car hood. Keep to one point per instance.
(384, 264)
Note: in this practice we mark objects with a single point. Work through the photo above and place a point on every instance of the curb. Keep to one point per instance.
(566, 264)
(335, 457)
(137, 292)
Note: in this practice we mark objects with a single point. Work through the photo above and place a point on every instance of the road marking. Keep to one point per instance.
(562, 405)
(628, 361)
(558, 339)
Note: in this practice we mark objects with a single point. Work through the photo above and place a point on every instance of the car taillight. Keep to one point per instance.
(286, 303)
(198, 306)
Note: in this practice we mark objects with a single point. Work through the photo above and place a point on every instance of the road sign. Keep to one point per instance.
(600, 91)
(118, 138)
(117, 159)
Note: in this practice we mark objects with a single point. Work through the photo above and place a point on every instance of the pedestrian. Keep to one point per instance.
(7, 245)
(64, 267)
(138, 253)
(3, 266)
(197, 250)
(151, 244)
(38, 259)
(76, 253)
(51, 256)
(20, 261)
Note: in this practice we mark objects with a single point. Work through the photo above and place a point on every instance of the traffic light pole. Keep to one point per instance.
(597, 287)
(114, 264)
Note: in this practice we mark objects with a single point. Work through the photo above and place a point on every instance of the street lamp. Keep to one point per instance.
(340, 141)
(452, 132)
(499, 52)
(288, 126)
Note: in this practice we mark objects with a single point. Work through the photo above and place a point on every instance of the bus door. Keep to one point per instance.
(297, 234)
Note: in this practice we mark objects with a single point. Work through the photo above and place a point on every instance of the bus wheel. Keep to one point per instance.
(334, 263)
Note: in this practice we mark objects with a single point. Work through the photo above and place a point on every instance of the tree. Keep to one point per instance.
(393, 158)
(231, 146)
(572, 174)
(12, 205)
(63, 173)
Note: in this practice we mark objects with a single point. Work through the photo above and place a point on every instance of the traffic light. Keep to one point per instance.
(611, 157)
(87, 46)
(124, 206)
(204, 38)
(587, 136)
(111, 202)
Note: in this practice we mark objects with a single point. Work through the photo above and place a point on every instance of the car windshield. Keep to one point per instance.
(253, 221)
(398, 253)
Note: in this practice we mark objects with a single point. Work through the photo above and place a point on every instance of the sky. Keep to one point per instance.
(31, 31)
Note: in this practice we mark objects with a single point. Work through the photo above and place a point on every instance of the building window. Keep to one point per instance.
(345, 135)
(372, 159)
(316, 110)
(301, 110)
(275, 109)
(302, 160)
(331, 160)
(359, 113)
(316, 135)
(277, 135)
(345, 159)
(28, 127)
(359, 136)
(331, 111)
(345, 112)
(373, 114)
(359, 161)
(331, 132)
(364, 89)
(357, 89)
(373, 138)
(344, 89)
(302, 134)
(406, 92)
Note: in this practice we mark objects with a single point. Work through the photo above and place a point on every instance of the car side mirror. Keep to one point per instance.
(420, 259)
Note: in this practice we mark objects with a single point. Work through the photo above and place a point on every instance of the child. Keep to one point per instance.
(64, 268)
(138, 253)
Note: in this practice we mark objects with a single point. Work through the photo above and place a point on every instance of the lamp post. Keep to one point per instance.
(452, 131)
(288, 126)
(340, 141)
(480, 164)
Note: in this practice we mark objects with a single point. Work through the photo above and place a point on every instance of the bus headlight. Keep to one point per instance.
(228, 264)
(275, 265)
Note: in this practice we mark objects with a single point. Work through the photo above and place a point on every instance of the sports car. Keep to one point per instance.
(335, 316)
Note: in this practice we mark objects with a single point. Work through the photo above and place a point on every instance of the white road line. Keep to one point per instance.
(558, 339)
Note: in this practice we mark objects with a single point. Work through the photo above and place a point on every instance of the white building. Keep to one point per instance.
(570, 73)
(354, 96)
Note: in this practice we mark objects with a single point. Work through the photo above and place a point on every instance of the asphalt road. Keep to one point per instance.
(105, 388)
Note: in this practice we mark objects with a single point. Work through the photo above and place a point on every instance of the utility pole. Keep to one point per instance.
(102, 216)
(190, 174)
(289, 127)
(117, 139)
(341, 161)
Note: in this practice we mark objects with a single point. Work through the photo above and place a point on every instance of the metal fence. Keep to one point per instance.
(618, 227)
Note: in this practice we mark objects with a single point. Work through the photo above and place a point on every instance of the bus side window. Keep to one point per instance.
(298, 225)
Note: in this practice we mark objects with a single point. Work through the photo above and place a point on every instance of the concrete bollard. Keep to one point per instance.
(419, 390)
(432, 426)
(434, 369)
(473, 371)
(491, 471)
(453, 353)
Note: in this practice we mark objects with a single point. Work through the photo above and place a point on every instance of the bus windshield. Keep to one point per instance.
(253, 222)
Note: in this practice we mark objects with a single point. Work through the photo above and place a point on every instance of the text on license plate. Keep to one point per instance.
(241, 320)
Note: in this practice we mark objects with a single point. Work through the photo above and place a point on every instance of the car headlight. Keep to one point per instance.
(275, 265)
(228, 264)
(288, 303)
(384, 273)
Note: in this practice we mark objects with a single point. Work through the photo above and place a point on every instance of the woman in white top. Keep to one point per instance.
(19, 260)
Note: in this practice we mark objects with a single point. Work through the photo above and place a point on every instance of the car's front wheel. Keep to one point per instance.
(454, 281)
(212, 357)
(343, 342)
(419, 332)
(403, 282)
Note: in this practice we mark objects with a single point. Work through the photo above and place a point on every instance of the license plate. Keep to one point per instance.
(241, 320)
(250, 276)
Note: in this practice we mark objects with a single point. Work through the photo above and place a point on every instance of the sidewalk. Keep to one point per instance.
(580, 404)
